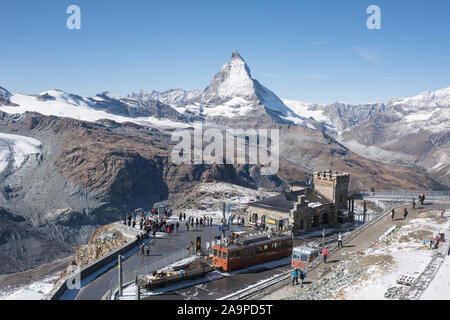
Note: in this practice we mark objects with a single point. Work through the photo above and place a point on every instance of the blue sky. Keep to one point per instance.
(314, 51)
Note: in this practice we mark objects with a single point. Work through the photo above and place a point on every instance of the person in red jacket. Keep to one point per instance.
(324, 253)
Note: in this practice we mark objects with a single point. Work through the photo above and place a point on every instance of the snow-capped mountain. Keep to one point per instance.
(338, 116)
(234, 85)
(408, 131)
(5, 96)
(426, 111)
(411, 131)
(4, 93)
(439, 98)
(172, 97)
(102, 106)
(232, 93)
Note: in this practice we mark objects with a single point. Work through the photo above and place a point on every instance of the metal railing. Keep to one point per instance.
(129, 277)
(405, 195)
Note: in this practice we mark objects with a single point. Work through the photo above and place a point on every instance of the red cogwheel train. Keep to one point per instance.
(249, 251)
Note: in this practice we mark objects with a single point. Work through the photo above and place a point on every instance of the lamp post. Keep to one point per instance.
(119, 266)
(323, 238)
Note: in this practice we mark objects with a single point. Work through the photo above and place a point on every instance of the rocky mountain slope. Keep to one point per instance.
(86, 175)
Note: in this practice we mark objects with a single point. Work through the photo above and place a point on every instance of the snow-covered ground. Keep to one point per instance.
(439, 288)
(15, 149)
(207, 200)
(409, 258)
(34, 291)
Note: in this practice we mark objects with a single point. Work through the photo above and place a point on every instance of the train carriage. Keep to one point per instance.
(302, 256)
(249, 251)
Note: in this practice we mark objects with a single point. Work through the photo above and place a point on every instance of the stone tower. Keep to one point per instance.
(333, 185)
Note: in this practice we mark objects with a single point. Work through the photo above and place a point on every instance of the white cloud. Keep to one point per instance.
(366, 54)
(318, 76)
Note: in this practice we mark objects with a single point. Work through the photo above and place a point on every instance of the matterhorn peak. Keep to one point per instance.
(236, 55)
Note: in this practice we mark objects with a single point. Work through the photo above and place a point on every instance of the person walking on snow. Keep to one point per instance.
(340, 241)
(302, 276)
(405, 214)
(325, 253)
(392, 214)
(414, 203)
(295, 276)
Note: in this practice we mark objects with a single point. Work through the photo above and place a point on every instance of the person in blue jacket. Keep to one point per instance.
(295, 276)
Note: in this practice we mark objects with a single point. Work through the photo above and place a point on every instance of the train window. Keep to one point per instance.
(266, 247)
(215, 253)
(258, 249)
(224, 255)
(296, 256)
(234, 254)
(304, 258)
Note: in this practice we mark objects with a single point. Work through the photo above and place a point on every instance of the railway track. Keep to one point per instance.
(266, 287)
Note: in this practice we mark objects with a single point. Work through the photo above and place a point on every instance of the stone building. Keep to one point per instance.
(305, 209)
(334, 185)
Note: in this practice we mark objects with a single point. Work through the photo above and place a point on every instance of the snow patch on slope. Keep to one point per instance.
(34, 291)
(16, 149)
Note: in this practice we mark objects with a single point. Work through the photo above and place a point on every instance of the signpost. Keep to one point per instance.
(198, 244)
(223, 220)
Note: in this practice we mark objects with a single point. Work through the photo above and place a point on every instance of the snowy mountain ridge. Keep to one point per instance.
(232, 94)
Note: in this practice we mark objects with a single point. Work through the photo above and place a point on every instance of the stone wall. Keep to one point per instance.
(304, 218)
